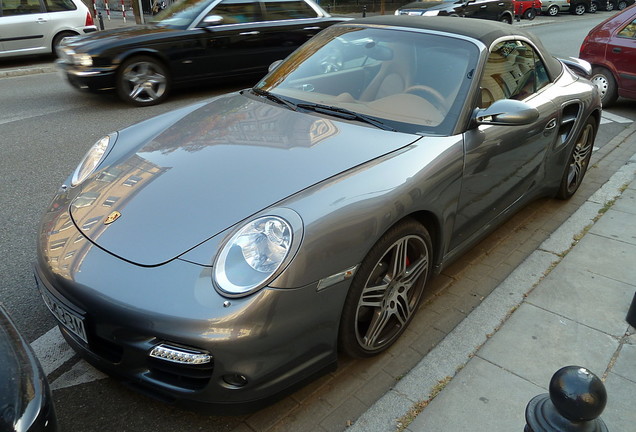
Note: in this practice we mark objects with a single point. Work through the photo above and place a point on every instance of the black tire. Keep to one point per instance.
(58, 39)
(593, 7)
(530, 14)
(379, 305)
(578, 161)
(578, 9)
(609, 6)
(506, 19)
(143, 81)
(606, 85)
(553, 10)
(622, 4)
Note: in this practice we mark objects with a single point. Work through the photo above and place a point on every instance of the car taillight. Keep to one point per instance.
(89, 20)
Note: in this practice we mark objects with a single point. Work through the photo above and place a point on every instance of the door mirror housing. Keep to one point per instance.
(506, 112)
(212, 20)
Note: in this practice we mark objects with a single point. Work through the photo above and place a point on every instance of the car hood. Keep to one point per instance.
(212, 168)
(119, 36)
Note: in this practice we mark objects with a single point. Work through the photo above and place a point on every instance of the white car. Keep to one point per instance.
(38, 26)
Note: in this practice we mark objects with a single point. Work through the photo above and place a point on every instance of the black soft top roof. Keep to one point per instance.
(483, 30)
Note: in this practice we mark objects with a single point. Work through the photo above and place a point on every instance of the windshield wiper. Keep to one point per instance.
(345, 114)
(274, 98)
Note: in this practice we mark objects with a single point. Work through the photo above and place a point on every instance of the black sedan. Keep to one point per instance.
(497, 10)
(25, 398)
(191, 42)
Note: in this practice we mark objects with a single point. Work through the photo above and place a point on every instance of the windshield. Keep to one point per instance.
(180, 14)
(411, 81)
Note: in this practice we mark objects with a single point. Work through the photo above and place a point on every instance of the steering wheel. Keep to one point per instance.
(430, 94)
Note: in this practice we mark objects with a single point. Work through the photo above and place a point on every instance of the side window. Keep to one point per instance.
(20, 7)
(513, 71)
(629, 31)
(237, 11)
(59, 5)
(288, 9)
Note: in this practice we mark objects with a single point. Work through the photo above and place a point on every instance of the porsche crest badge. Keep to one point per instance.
(112, 217)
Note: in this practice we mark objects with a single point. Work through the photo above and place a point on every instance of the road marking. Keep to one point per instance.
(53, 351)
(607, 117)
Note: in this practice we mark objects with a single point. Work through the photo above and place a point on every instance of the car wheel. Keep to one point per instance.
(610, 6)
(58, 39)
(606, 85)
(142, 81)
(506, 19)
(530, 14)
(593, 7)
(622, 5)
(578, 161)
(386, 290)
(579, 9)
(553, 10)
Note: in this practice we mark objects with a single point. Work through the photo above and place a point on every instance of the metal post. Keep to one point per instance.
(100, 19)
(576, 400)
(364, 11)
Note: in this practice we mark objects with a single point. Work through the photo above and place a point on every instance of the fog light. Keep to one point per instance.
(235, 380)
(180, 355)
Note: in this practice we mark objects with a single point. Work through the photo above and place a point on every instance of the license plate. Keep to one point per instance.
(69, 319)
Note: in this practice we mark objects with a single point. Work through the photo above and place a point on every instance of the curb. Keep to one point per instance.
(463, 342)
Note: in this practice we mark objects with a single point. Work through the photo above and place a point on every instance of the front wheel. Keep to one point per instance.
(143, 81)
(553, 10)
(622, 4)
(530, 14)
(578, 161)
(57, 40)
(506, 19)
(606, 84)
(593, 7)
(386, 290)
(579, 9)
(609, 6)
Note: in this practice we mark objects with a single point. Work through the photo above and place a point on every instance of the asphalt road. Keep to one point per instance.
(45, 128)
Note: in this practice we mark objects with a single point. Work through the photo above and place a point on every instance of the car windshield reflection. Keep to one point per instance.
(412, 81)
(180, 14)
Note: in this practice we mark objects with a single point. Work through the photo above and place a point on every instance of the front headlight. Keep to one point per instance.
(431, 13)
(91, 160)
(82, 59)
(252, 256)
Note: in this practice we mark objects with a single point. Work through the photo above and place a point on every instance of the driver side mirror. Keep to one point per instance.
(506, 112)
(212, 20)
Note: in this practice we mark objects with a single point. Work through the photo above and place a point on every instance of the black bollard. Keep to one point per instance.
(576, 400)
(631, 313)
(364, 11)
(100, 19)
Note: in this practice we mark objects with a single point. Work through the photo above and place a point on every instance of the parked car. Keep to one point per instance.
(611, 49)
(25, 400)
(575, 7)
(498, 10)
(610, 5)
(38, 26)
(226, 251)
(527, 9)
(189, 43)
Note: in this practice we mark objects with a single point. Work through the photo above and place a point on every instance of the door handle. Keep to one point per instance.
(483, 7)
(249, 33)
(551, 124)
(312, 28)
(617, 50)
(41, 20)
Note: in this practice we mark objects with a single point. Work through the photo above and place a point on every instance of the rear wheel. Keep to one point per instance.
(609, 6)
(579, 161)
(530, 14)
(58, 39)
(386, 290)
(593, 7)
(606, 84)
(622, 4)
(553, 10)
(506, 19)
(142, 81)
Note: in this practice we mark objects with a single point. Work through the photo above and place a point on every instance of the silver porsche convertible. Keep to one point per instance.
(225, 252)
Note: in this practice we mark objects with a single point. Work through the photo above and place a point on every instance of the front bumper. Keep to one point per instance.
(275, 338)
(93, 79)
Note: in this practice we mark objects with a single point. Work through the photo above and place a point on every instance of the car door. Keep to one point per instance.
(621, 52)
(484, 9)
(502, 163)
(24, 27)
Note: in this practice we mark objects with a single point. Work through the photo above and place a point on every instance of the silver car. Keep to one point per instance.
(38, 26)
(225, 252)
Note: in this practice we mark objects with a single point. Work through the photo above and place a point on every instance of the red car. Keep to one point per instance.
(527, 9)
(611, 49)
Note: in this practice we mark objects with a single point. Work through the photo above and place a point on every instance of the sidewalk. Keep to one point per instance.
(564, 305)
